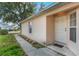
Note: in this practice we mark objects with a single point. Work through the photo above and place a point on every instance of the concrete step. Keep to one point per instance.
(49, 52)
(64, 51)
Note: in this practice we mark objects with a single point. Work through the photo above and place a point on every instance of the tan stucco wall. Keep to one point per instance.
(39, 23)
(50, 29)
(38, 29)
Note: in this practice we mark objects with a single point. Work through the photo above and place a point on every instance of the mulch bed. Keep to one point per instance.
(32, 42)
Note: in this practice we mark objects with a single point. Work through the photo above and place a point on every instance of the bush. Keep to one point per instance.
(3, 32)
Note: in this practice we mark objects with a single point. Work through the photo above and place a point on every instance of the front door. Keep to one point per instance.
(60, 29)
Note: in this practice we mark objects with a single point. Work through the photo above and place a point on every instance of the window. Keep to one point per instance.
(73, 27)
(30, 27)
(73, 19)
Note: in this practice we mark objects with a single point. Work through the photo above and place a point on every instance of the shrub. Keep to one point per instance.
(3, 32)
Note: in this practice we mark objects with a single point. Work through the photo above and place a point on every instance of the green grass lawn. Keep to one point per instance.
(9, 46)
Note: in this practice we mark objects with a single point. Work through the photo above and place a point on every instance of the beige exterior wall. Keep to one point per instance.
(50, 29)
(43, 27)
(50, 22)
(38, 29)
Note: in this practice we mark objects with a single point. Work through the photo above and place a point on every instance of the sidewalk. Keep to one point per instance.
(31, 51)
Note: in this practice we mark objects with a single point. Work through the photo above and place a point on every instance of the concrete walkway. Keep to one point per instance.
(31, 51)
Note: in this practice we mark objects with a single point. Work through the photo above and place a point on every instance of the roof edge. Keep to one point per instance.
(52, 6)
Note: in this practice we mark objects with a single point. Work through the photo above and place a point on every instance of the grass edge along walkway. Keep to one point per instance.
(9, 46)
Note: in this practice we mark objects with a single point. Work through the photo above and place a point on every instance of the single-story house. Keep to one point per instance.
(57, 23)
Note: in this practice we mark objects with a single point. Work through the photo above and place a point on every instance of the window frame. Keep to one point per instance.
(73, 26)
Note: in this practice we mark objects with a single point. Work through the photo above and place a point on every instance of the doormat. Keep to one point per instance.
(58, 45)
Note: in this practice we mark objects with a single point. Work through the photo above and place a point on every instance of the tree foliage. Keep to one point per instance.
(42, 6)
(15, 11)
